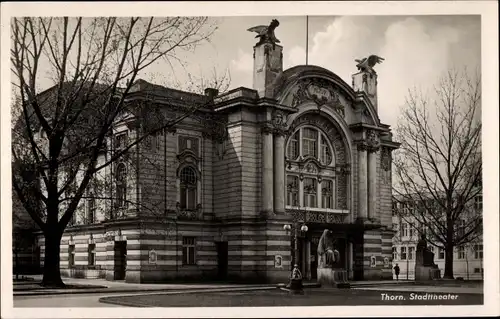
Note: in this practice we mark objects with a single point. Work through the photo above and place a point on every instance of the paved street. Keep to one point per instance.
(312, 297)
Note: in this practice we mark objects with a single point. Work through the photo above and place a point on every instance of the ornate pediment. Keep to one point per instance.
(319, 91)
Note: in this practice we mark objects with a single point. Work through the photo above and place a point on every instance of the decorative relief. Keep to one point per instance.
(319, 91)
(316, 217)
(277, 125)
(343, 169)
(372, 141)
(386, 161)
(335, 218)
(195, 214)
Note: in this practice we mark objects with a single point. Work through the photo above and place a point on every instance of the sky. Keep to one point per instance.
(416, 49)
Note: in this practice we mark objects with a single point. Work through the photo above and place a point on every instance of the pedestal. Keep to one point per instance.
(329, 277)
(426, 273)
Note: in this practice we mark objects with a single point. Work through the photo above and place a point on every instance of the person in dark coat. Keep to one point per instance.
(396, 271)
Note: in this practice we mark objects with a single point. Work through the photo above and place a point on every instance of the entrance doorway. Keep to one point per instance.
(222, 260)
(120, 260)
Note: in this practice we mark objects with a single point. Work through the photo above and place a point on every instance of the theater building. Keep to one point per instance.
(302, 147)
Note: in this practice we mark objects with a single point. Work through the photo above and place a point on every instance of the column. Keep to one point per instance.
(267, 171)
(279, 173)
(372, 183)
(362, 182)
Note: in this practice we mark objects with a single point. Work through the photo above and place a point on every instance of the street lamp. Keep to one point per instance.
(295, 284)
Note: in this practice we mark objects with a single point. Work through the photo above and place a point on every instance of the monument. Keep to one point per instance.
(330, 272)
(425, 268)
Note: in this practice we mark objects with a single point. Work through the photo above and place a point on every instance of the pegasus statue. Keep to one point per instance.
(266, 33)
(367, 64)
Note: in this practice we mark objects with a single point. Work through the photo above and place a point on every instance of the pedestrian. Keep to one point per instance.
(396, 271)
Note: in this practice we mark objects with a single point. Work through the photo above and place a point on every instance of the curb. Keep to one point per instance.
(128, 290)
(112, 299)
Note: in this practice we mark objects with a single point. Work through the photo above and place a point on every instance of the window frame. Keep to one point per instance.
(122, 185)
(188, 246)
(403, 254)
(71, 256)
(188, 189)
(91, 255)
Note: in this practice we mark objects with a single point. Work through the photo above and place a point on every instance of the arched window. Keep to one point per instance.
(121, 186)
(310, 142)
(189, 183)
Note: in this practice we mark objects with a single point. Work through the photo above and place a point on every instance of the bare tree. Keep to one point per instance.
(60, 133)
(438, 168)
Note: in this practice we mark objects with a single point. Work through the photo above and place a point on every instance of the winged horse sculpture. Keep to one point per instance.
(266, 33)
(367, 64)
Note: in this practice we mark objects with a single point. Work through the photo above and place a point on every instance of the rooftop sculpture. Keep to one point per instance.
(266, 33)
(367, 64)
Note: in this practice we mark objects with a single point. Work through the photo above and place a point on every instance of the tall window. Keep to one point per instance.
(310, 188)
(293, 147)
(411, 252)
(394, 253)
(188, 188)
(309, 142)
(71, 256)
(325, 156)
(91, 210)
(121, 186)
(403, 253)
(292, 188)
(91, 254)
(188, 251)
(478, 202)
(460, 252)
(404, 229)
(478, 251)
(412, 229)
(327, 194)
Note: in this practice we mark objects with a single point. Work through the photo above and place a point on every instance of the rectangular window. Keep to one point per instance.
(188, 197)
(91, 211)
(325, 153)
(404, 229)
(293, 147)
(327, 194)
(403, 253)
(412, 229)
(310, 191)
(441, 253)
(394, 253)
(411, 253)
(478, 270)
(188, 251)
(91, 254)
(460, 252)
(71, 256)
(309, 142)
(292, 189)
(478, 251)
(478, 202)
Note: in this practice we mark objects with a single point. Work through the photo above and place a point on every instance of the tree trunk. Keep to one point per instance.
(51, 265)
(448, 263)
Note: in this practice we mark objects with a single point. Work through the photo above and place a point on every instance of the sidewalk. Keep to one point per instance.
(89, 286)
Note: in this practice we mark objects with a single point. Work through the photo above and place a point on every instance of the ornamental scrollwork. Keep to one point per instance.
(372, 142)
(320, 91)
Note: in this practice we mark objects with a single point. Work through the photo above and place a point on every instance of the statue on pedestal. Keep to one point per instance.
(330, 272)
(266, 33)
(367, 64)
(328, 256)
(425, 268)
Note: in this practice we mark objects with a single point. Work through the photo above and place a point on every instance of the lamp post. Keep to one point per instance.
(295, 285)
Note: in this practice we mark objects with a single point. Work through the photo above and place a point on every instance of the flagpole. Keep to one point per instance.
(307, 39)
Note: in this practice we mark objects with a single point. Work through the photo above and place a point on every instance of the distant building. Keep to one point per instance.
(467, 258)
(300, 147)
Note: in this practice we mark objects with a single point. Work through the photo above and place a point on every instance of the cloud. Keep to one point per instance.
(416, 51)
(243, 63)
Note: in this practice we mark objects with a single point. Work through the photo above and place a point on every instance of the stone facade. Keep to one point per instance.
(212, 197)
